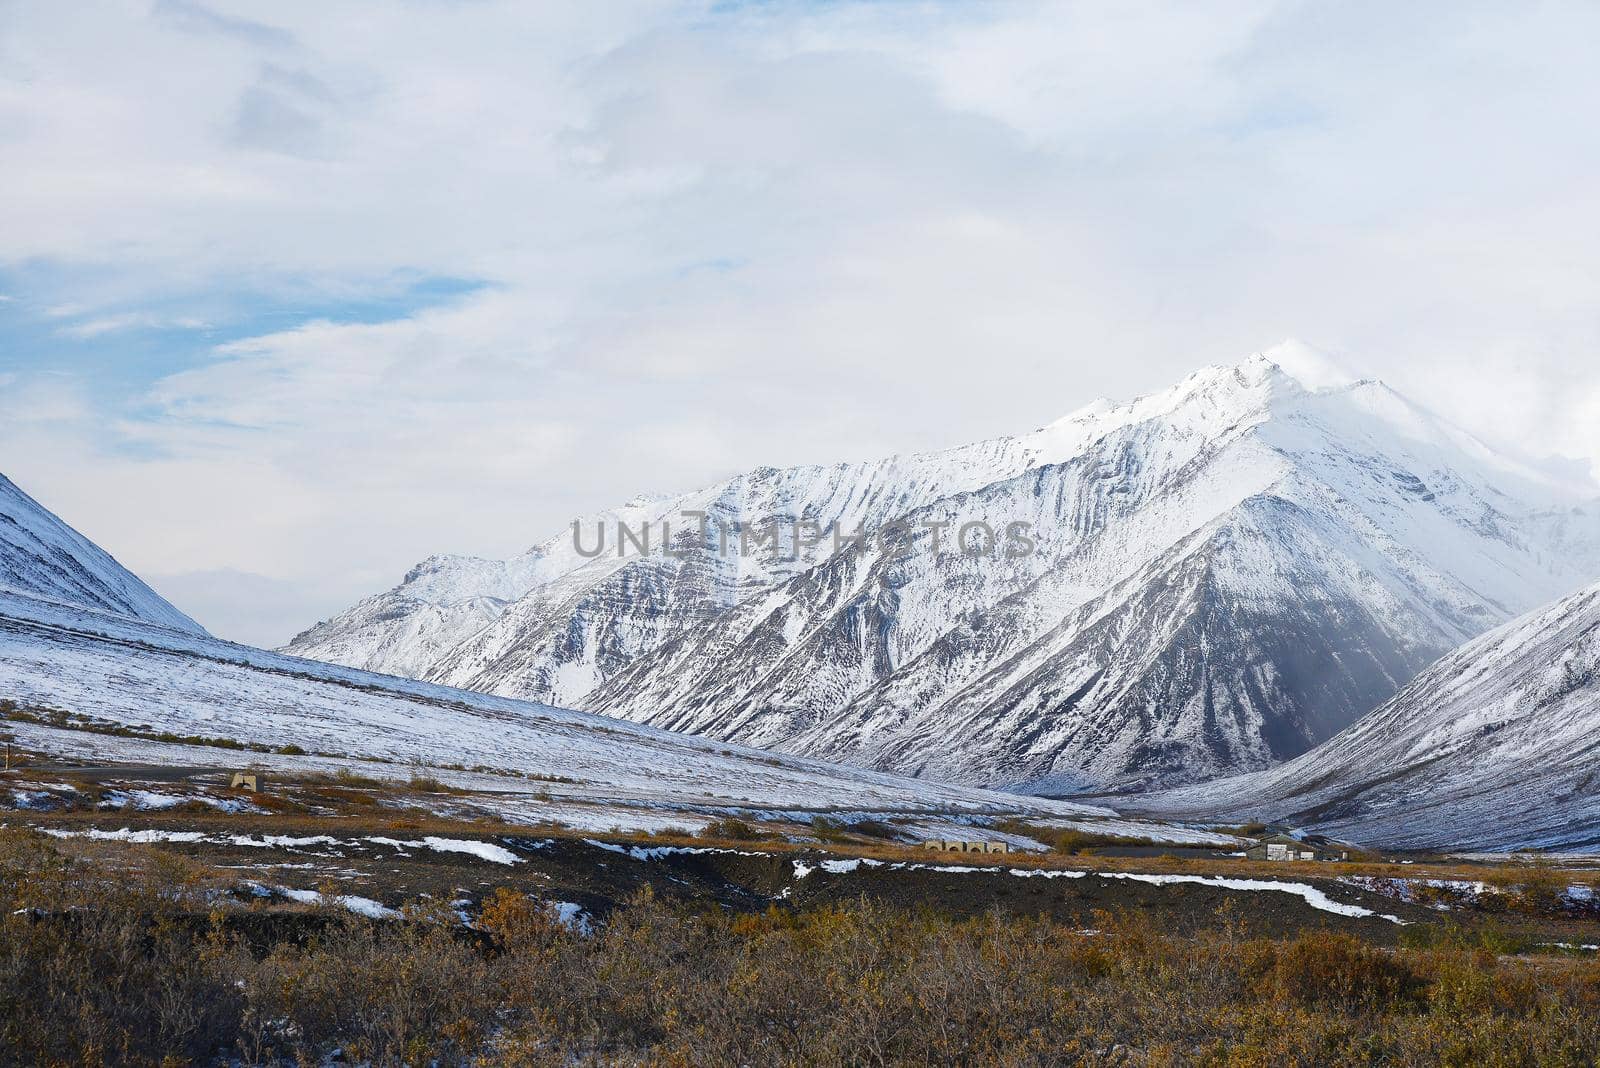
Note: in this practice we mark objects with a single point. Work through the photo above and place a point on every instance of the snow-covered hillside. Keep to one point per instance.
(126, 672)
(42, 556)
(1226, 573)
(1497, 746)
(553, 624)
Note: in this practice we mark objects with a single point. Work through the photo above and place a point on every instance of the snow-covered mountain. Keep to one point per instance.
(552, 624)
(1223, 575)
(1496, 746)
(123, 672)
(42, 556)
(82, 636)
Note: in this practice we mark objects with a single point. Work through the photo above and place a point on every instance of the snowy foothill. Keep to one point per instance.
(41, 556)
(1493, 747)
(130, 674)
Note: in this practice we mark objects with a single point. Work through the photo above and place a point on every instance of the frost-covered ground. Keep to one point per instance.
(1445, 895)
(130, 673)
(531, 763)
(1316, 898)
(314, 844)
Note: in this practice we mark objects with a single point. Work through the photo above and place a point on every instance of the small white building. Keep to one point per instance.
(1284, 847)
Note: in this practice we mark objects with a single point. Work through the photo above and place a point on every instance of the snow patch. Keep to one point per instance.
(1310, 894)
(482, 850)
(144, 837)
(276, 841)
(361, 906)
(572, 916)
(657, 852)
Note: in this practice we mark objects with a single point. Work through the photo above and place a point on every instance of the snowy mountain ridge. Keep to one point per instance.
(416, 628)
(123, 670)
(43, 557)
(1227, 573)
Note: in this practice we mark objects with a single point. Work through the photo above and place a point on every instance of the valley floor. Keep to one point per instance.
(150, 915)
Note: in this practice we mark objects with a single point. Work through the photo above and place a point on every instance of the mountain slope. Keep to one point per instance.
(125, 672)
(1496, 746)
(103, 681)
(1218, 586)
(553, 624)
(42, 556)
(1223, 574)
(1231, 651)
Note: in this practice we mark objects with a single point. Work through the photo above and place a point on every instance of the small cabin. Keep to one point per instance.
(246, 780)
(950, 845)
(1284, 847)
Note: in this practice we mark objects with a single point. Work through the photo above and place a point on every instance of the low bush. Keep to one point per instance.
(351, 779)
(828, 829)
(733, 829)
(874, 829)
(128, 965)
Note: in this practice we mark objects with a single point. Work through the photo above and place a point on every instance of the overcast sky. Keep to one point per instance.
(295, 294)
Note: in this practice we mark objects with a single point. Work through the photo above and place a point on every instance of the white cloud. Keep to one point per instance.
(46, 399)
(112, 324)
(714, 237)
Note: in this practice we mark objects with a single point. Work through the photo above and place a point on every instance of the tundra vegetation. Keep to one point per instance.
(136, 961)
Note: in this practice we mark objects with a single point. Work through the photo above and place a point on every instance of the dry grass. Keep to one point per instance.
(352, 804)
(107, 962)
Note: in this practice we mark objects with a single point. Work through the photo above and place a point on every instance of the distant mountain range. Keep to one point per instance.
(1218, 578)
(1222, 576)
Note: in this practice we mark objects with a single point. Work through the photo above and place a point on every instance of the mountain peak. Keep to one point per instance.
(1345, 526)
(1307, 365)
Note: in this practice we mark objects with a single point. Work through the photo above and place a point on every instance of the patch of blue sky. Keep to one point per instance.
(53, 322)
